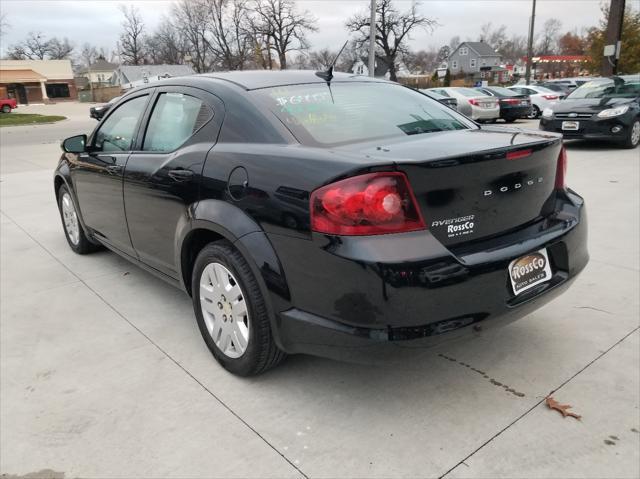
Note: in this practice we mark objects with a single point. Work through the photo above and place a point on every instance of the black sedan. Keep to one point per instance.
(99, 111)
(602, 109)
(512, 105)
(319, 213)
(445, 100)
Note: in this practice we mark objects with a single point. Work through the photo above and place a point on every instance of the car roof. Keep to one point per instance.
(256, 79)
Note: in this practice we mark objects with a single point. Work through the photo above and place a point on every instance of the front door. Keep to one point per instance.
(97, 174)
(162, 175)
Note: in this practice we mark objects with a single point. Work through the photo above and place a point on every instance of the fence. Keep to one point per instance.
(100, 95)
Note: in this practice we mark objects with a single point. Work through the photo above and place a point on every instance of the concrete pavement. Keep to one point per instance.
(103, 372)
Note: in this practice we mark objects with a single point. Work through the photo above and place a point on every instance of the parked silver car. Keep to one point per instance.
(472, 103)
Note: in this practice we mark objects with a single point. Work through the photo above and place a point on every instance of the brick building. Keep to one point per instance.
(37, 81)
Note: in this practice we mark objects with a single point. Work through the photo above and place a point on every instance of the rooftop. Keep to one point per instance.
(255, 79)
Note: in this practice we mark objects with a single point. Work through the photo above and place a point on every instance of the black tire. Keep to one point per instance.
(83, 245)
(535, 112)
(261, 352)
(509, 120)
(6, 109)
(630, 142)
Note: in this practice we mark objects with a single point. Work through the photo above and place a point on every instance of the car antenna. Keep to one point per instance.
(328, 74)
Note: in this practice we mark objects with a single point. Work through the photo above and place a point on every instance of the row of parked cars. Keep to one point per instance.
(594, 109)
(490, 103)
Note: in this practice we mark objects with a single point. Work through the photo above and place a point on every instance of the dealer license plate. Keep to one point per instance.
(529, 270)
(570, 125)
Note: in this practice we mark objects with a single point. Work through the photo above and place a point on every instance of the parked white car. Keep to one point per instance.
(472, 103)
(541, 97)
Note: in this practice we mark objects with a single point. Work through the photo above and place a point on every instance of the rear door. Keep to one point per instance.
(97, 173)
(162, 176)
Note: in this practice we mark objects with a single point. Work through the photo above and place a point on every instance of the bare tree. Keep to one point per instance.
(321, 59)
(229, 26)
(493, 36)
(422, 61)
(513, 49)
(167, 44)
(59, 49)
(283, 27)
(549, 37)
(454, 42)
(191, 16)
(393, 29)
(132, 41)
(4, 24)
(88, 54)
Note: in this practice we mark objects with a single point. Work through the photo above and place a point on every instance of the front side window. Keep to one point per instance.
(342, 113)
(119, 129)
(174, 119)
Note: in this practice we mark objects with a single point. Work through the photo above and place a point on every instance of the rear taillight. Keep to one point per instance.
(550, 97)
(561, 170)
(511, 101)
(371, 204)
(473, 101)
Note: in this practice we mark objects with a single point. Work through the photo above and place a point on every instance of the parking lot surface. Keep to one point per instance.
(103, 372)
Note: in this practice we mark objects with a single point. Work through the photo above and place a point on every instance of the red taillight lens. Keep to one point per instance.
(371, 204)
(561, 170)
(511, 101)
(473, 101)
(550, 97)
(516, 155)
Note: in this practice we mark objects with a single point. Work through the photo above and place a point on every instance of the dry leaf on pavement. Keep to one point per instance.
(561, 408)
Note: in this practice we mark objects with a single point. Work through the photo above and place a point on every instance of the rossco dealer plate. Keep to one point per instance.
(529, 270)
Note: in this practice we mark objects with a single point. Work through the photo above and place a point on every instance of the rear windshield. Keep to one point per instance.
(608, 88)
(470, 92)
(354, 112)
(498, 90)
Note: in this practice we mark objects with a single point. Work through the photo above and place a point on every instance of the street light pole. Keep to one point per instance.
(372, 40)
(613, 37)
(527, 75)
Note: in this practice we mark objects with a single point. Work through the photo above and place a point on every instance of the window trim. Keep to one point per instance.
(454, 64)
(464, 51)
(152, 105)
(134, 141)
(473, 62)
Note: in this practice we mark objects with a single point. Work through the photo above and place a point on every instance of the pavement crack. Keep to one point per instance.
(159, 348)
(564, 383)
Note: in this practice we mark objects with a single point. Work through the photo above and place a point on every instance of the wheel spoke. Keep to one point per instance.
(240, 309)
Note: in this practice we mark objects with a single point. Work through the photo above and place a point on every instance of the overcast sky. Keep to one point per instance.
(98, 21)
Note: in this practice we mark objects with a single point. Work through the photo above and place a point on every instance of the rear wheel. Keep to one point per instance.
(535, 113)
(6, 109)
(73, 231)
(633, 138)
(231, 311)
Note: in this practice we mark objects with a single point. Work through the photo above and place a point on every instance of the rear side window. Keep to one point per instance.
(118, 130)
(175, 117)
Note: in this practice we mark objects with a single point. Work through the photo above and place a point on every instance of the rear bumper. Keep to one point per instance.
(484, 113)
(515, 111)
(360, 295)
(592, 129)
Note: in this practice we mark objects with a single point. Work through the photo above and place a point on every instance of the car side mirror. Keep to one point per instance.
(75, 144)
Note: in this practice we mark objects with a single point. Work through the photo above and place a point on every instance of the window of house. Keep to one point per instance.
(464, 51)
(472, 63)
(495, 62)
(454, 64)
(57, 90)
(174, 119)
(119, 129)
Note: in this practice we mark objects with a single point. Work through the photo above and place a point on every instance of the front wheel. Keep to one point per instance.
(231, 311)
(6, 109)
(633, 138)
(73, 231)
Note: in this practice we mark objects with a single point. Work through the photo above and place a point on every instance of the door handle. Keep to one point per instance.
(180, 175)
(114, 169)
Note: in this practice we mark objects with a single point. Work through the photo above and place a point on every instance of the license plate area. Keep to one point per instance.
(570, 125)
(529, 270)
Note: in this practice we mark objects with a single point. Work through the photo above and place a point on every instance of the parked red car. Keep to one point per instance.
(8, 104)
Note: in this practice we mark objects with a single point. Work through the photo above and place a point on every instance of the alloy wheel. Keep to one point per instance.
(635, 133)
(70, 217)
(224, 309)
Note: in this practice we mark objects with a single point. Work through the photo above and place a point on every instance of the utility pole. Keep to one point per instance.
(372, 40)
(527, 75)
(612, 38)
